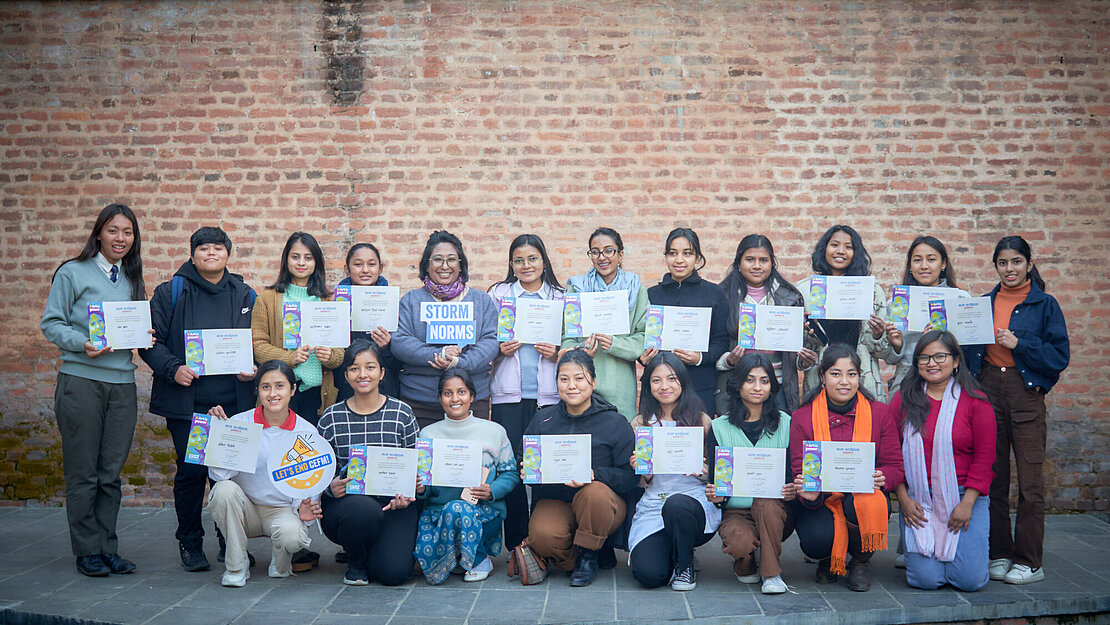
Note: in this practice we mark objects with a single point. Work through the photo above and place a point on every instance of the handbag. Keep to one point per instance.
(525, 563)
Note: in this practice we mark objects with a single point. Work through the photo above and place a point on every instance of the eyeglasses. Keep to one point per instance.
(940, 358)
(450, 261)
(531, 260)
(608, 252)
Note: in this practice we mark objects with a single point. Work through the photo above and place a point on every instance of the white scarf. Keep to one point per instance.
(939, 498)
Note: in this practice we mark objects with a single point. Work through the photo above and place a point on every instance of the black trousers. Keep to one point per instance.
(660, 554)
(380, 543)
(188, 487)
(515, 418)
(815, 529)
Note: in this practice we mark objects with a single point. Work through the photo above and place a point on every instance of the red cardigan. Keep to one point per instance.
(884, 433)
(973, 439)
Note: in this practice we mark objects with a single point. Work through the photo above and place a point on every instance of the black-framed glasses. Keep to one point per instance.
(940, 358)
(608, 252)
(450, 261)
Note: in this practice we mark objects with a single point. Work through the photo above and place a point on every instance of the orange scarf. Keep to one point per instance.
(871, 508)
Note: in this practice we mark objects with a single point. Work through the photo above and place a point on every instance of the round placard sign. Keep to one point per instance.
(303, 466)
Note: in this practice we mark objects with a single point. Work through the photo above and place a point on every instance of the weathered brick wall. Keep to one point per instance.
(381, 121)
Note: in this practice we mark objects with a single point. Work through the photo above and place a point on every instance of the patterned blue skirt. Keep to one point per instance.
(449, 536)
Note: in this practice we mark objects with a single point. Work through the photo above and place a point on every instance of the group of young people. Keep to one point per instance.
(943, 440)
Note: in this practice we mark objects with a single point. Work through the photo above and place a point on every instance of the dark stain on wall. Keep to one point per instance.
(345, 71)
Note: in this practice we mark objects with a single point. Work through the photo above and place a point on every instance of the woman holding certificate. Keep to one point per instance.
(673, 516)
(753, 420)
(852, 520)
(840, 253)
(614, 356)
(378, 533)
(683, 287)
(1030, 352)
(572, 521)
(444, 325)
(461, 527)
(301, 278)
(754, 278)
(948, 447)
(523, 376)
(364, 268)
(95, 401)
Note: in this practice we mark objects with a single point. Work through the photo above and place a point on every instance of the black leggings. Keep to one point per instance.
(815, 528)
(380, 543)
(660, 554)
(515, 418)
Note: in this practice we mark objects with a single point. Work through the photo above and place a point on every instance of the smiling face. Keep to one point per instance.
(210, 259)
(926, 265)
(665, 387)
(931, 371)
(839, 252)
(301, 263)
(364, 374)
(116, 238)
(365, 267)
(455, 399)
(681, 258)
(527, 266)
(443, 264)
(841, 381)
(606, 256)
(755, 389)
(1012, 268)
(576, 387)
(275, 391)
(755, 266)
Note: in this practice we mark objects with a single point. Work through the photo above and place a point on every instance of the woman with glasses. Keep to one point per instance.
(445, 272)
(614, 357)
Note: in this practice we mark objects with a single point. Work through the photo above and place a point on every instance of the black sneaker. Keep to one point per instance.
(193, 558)
(93, 566)
(223, 550)
(304, 560)
(685, 579)
(118, 565)
(355, 577)
(341, 557)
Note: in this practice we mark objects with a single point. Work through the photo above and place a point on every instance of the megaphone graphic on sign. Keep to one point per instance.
(300, 448)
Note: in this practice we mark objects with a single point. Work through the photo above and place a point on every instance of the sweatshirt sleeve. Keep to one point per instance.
(161, 360)
(983, 425)
(630, 346)
(406, 345)
(262, 316)
(621, 478)
(719, 342)
(477, 357)
(55, 318)
(888, 451)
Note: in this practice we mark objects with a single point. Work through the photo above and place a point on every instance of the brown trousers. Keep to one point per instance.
(765, 525)
(557, 529)
(1020, 416)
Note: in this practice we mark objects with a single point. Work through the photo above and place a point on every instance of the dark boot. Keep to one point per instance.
(606, 558)
(586, 570)
(859, 572)
(193, 558)
(824, 572)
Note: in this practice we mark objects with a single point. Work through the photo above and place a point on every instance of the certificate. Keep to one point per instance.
(970, 319)
(838, 467)
(678, 327)
(384, 471)
(120, 325)
(317, 324)
(841, 297)
(770, 328)
(219, 352)
(909, 305)
(224, 444)
(602, 312)
(557, 459)
(371, 306)
(749, 472)
(449, 462)
(530, 320)
(669, 450)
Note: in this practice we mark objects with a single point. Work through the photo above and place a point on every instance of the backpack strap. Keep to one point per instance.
(176, 286)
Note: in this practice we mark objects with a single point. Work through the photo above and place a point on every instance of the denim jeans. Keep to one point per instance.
(968, 571)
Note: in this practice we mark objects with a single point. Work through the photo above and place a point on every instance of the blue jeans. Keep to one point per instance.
(968, 571)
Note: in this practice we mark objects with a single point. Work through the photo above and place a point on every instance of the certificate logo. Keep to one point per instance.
(303, 467)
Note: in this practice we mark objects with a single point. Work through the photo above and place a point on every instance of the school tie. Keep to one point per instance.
(115, 273)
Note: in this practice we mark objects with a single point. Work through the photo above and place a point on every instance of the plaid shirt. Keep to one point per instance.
(392, 425)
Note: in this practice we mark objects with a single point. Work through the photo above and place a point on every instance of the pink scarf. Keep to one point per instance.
(444, 291)
(938, 498)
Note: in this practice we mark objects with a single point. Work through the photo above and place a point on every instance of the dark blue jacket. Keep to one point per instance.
(1042, 351)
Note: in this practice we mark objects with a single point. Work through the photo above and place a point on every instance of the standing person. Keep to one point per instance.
(1031, 350)
(948, 443)
(571, 522)
(95, 401)
(301, 278)
(455, 532)
(202, 295)
(376, 533)
(673, 517)
(682, 286)
(832, 525)
(246, 505)
(364, 268)
(840, 252)
(749, 524)
(523, 376)
(754, 278)
(927, 264)
(444, 269)
(614, 357)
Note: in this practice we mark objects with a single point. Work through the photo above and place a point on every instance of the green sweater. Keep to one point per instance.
(728, 435)
(65, 322)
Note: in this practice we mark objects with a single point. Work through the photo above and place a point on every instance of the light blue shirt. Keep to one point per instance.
(529, 357)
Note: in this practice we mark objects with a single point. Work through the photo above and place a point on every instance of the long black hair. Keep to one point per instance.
(442, 236)
(688, 408)
(948, 274)
(861, 260)
(317, 282)
(736, 287)
(132, 262)
(915, 403)
(692, 237)
(737, 412)
(548, 274)
(833, 353)
(1012, 242)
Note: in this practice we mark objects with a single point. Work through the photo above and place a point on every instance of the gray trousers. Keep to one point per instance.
(97, 423)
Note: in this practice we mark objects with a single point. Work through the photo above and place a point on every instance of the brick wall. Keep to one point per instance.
(381, 121)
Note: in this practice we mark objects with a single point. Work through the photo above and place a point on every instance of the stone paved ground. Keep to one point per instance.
(37, 577)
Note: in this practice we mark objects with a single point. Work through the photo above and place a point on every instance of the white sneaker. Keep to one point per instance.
(900, 561)
(747, 579)
(480, 571)
(1022, 574)
(1000, 567)
(274, 572)
(235, 579)
(774, 585)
